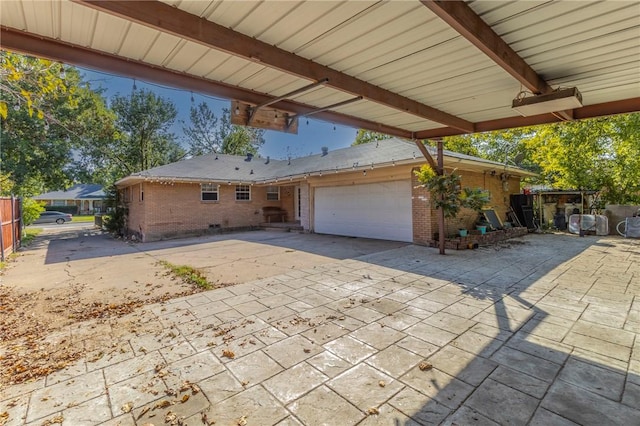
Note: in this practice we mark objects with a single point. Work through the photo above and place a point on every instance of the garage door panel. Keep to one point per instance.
(377, 210)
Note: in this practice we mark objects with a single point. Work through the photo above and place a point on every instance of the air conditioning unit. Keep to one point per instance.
(558, 100)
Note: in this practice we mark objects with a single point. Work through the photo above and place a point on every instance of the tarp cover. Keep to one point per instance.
(589, 222)
(633, 227)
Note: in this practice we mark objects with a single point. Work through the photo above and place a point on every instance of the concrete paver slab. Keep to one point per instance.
(364, 386)
(509, 333)
(324, 406)
(419, 407)
(499, 402)
(582, 407)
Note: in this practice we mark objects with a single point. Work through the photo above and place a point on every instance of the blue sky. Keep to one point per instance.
(309, 140)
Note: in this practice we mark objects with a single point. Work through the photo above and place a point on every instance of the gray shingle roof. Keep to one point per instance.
(76, 192)
(232, 168)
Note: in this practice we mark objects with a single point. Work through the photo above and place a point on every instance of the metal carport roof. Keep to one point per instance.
(424, 69)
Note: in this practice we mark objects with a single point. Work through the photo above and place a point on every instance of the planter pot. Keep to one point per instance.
(462, 232)
(482, 229)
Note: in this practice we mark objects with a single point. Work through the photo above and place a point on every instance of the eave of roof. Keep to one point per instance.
(222, 168)
(76, 192)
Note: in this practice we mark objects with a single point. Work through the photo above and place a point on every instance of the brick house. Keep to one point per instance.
(367, 190)
(87, 198)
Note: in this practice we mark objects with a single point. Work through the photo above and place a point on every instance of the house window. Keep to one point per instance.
(273, 193)
(243, 193)
(209, 192)
(58, 203)
(141, 194)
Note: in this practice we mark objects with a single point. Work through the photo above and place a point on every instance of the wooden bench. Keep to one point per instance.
(274, 213)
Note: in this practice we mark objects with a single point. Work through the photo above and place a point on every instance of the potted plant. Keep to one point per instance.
(448, 195)
(476, 199)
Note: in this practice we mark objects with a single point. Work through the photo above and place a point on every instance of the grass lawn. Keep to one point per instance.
(83, 218)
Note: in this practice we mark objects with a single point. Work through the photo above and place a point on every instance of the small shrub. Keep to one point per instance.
(31, 210)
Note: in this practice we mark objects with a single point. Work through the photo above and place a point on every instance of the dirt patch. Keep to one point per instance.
(36, 326)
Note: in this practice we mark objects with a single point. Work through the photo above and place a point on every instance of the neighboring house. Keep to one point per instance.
(88, 198)
(366, 190)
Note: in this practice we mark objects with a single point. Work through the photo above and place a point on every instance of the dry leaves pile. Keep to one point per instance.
(33, 341)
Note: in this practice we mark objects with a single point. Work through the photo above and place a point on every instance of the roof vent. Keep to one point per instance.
(249, 157)
(268, 159)
(325, 150)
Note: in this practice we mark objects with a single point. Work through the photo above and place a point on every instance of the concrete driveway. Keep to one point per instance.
(538, 331)
(78, 251)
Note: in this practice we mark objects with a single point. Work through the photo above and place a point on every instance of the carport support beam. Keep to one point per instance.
(440, 171)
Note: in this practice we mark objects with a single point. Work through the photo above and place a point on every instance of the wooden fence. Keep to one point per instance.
(10, 225)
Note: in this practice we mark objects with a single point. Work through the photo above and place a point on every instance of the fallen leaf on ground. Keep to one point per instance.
(242, 421)
(162, 404)
(144, 411)
(372, 411)
(170, 417)
(55, 420)
(185, 398)
(424, 366)
(227, 353)
(382, 384)
(126, 408)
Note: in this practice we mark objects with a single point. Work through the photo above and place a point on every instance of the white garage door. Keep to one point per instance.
(377, 210)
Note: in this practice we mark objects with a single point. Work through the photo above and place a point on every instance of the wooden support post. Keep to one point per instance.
(425, 152)
(439, 169)
(441, 211)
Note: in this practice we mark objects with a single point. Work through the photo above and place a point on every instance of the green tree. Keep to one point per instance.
(365, 136)
(6, 184)
(35, 145)
(143, 121)
(601, 154)
(31, 84)
(206, 133)
(98, 142)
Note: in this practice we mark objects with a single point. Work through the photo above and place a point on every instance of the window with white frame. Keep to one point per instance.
(141, 193)
(59, 203)
(243, 193)
(209, 191)
(273, 193)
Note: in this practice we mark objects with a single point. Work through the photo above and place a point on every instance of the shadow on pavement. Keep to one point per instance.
(557, 347)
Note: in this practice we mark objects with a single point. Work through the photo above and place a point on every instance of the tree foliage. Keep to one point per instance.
(365, 136)
(144, 121)
(601, 154)
(31, 85)
(207, 133)
(35, 145)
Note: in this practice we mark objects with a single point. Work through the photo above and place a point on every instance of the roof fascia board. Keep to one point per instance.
(20, 41)
(623, 106)
(165, 18)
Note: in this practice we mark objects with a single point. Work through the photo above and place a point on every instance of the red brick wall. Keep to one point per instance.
(425, 217)
(177, 209)
(173, 210)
